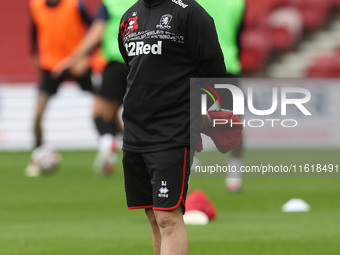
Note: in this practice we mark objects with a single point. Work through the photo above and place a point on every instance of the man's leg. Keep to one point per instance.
(106, 108)
(42, 101)
(159, 181)
(174, 238)
(233, 181)
(105, 112)
(47, 87)
(31, 169)
(156, 235)
(169, 171)
(111, 94)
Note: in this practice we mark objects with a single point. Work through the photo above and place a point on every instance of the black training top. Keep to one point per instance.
(164, 43)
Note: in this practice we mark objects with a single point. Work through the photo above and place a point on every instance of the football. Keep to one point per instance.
(46, 159)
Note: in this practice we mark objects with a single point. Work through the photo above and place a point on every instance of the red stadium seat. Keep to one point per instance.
(322, 67)
(336, 3)
(314, 12)
(258, 11)
(256, 48)
(336, 65)
(286, 27)
(313, 19)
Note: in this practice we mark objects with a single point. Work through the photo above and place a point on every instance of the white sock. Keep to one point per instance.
(236, 163)
(105, 142)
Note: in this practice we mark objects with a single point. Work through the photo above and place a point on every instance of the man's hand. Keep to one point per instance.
(206, 122)
(227, 135)
(72, 65)
(63, 66)
(79, 68)
(77, 63)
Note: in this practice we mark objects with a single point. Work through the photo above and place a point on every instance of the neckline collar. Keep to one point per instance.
(152, 3)
(51, 4)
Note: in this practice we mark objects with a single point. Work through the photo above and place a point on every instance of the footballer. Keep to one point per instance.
(164, 43)
(57, 27)
(104, 32)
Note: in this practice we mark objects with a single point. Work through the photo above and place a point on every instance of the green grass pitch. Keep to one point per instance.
(76, 212)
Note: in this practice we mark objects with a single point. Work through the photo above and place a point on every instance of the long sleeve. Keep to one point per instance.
(85, 16)
(102, 13)
(200, 38)
(34, 40)
(122, 49)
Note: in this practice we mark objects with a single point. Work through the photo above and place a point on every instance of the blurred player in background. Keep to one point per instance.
(57, 28)
(228, 17)
(104, 32)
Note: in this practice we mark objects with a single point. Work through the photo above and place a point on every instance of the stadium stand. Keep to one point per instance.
(322, 67)
(317, 56)
(314, 12)
(271, 27)
(278, 26)
(286, 27)
(256, 49)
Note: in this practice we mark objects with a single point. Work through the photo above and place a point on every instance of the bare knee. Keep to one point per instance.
(151, 217)
(167, 221)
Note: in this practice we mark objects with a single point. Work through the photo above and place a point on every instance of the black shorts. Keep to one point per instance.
(50, 84)
(157, 180)
(114, 81)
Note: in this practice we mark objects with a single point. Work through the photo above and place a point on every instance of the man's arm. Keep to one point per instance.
(85, 16)
(91, 40)
(201, 40)
(34, 47)
(122, 49)
(93, 37)
(202, 43)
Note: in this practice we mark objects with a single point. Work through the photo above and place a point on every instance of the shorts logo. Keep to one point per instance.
(163, 190)
(165, 22)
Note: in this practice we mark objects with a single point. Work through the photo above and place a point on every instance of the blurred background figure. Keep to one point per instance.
(104, 32)
(199, 209)
(57, 28)
(228, 19)
(281, 39)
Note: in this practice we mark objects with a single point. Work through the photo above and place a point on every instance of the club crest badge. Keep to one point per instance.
(165, 22)
(128, 26)
(132, 24)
